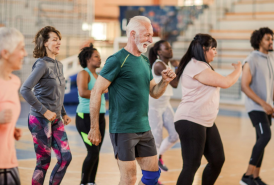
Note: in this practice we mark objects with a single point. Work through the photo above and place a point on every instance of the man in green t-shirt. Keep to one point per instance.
(128, 76)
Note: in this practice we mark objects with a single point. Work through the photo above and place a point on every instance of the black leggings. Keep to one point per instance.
(261, 121)
(9, 176)
(196, 141)
(90, 165)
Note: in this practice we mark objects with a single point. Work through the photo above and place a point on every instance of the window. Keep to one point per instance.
(99, 31)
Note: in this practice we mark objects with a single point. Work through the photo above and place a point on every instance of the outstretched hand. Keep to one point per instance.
(237, 65)
(168, 75)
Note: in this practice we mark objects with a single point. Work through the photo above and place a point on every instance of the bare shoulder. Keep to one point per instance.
(82, 73)
(83, 76)
(159, 67)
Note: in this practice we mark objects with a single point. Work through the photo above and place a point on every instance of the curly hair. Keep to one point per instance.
(153, 51)
(258, 35)
(41, 38)
(85, 55)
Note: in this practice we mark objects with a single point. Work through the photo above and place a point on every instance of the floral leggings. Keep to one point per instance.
(46, 135)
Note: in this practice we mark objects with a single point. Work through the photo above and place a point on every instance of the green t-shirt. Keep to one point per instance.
(130, 78)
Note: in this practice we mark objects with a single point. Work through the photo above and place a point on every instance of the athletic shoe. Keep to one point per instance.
(162, 166)
(248, 180)
(259, 181)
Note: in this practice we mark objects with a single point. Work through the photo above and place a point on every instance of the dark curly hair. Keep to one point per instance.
(258, 35)
(41, 38)
(85, 55)
(153, 51)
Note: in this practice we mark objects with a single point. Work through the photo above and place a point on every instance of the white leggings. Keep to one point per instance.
(161, 115)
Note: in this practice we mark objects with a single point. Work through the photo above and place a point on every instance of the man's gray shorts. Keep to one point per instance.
(128, 146)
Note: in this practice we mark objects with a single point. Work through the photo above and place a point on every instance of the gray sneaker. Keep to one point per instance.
(162, 166)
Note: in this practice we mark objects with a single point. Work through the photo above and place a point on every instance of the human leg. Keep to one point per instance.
(155, 117)
(150, 170)
(41, 132)
(193, 138)
(214, 153)
(61, 148)
(102, 128)
(168, 117)
(261, 121)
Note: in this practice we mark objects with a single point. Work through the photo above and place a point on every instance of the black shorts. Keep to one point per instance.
(257, 117)
(128, 146)
(9, 176)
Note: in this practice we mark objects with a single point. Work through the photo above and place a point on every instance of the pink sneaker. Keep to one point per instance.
(162, 166)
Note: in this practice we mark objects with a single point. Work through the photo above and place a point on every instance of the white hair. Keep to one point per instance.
(136, 23)
(10, 38)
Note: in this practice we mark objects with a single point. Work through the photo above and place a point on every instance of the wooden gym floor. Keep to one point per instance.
(237, 134)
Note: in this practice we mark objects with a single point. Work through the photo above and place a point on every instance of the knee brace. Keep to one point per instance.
(150, 178)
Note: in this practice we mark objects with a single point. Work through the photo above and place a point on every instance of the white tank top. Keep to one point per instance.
(169, 90)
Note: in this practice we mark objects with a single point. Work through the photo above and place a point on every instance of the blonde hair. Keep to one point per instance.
(10, 38)
(136, 23)
(41, 38)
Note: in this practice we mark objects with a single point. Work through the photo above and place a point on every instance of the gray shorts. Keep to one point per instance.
(128, 146)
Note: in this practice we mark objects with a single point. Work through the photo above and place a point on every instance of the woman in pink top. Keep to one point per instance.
(195, 116)
(12, 52)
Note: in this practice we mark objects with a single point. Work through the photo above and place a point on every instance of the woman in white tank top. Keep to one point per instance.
(160, 112)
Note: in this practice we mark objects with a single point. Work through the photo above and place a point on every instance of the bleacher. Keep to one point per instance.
(231, 22)
(30, 16)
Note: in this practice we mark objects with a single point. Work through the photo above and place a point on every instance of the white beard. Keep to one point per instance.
(140, 46)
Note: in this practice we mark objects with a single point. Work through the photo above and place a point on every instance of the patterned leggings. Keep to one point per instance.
(46, 135)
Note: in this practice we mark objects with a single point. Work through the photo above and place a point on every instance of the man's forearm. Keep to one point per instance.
(252, 95)
(159, 89)
(94, 107)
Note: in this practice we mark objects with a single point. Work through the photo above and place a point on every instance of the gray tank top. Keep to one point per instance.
(262, 71)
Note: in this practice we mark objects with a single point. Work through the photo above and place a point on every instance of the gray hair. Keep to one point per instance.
(9, 38)
(135, 24)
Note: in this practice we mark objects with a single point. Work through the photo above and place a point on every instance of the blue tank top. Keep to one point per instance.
(83, 106)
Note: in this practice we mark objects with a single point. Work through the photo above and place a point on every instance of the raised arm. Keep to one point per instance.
(159, 67)
(245, 85)
(157, 90)
(99, 88)
(212, 78)
(175, 81)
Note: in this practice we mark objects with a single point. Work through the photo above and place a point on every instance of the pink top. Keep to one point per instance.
(200, 103)
(9, 99)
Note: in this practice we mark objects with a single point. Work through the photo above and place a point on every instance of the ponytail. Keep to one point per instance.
(195, 50)
(153, 55)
